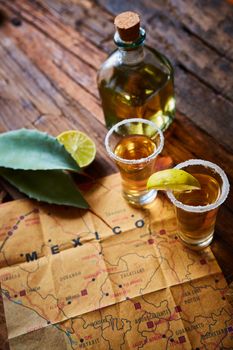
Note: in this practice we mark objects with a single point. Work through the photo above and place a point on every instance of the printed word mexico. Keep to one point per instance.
(76, 242)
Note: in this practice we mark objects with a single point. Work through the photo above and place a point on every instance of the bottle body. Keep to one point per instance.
(137, 82)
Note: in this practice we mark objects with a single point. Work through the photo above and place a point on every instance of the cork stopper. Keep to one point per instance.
(128, 25)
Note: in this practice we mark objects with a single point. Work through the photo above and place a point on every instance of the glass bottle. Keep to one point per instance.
(135, 80)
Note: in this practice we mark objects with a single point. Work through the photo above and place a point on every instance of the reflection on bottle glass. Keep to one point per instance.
(136, 82)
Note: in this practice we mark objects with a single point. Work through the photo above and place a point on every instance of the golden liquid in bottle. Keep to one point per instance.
(193, 225)
(135, 176)
(144, 91)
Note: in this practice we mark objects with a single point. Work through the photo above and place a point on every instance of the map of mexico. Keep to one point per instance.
(113, 277)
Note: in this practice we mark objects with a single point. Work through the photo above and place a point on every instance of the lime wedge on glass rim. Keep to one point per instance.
(176, 180)
(80, 146)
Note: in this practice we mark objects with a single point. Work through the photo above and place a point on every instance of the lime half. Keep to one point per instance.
(173, 180)
(81, 147)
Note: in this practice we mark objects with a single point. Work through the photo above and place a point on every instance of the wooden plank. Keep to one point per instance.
(83, 14)
(205, 108)
(209, 20)
(211, 84)
(23, 41)
(17, 94)
(185, 48)
(34, 94)
(200, 144)
(47, 81)
(223, 253)
(200, 17)
(188, 109)
(37, 54)
(208, 116)
(40, 105)
(223, 243)
(164, 32)
(63, 71)
(36, 45)
(68, 38)
(147, 8)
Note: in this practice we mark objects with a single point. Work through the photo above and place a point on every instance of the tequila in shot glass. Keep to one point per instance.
(196, 210)
(134, 145)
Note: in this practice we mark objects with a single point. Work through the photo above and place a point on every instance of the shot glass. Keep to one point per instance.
(196, 210)
(134, 145)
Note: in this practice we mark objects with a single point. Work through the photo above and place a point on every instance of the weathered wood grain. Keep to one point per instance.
(183, 47)
(205, 108)
(201, 70)
(209, 20)
(51, 91)
(27, 44)
(86, 17)
(41, 94)
(35, 102)
(71, 40)
(50, 51)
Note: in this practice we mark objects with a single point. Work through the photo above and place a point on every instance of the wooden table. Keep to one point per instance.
(50, 51)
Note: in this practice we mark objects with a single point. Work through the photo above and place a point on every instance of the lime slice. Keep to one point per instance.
(79, 145)
(174, 180)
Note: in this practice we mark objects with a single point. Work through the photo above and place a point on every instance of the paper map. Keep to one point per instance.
(112, 278)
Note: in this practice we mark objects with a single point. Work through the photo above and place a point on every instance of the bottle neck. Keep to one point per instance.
(131, 57)
(131, 52)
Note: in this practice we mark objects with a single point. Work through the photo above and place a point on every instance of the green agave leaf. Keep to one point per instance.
(34, 150)
(54, 186)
